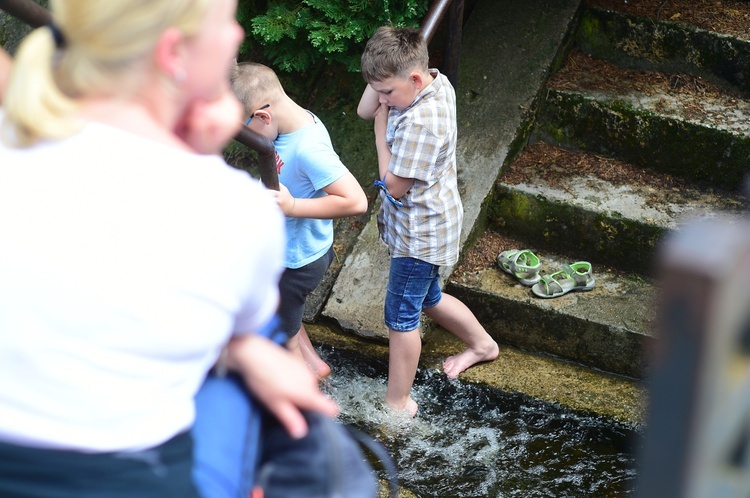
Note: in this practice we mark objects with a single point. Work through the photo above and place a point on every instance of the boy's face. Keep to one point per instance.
(398, 92)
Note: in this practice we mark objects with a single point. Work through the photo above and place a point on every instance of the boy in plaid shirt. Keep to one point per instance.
(420, 217)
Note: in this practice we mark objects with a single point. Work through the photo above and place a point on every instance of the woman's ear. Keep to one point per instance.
(169, 54)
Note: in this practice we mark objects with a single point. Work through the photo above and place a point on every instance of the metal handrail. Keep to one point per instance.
(430, 24)
(266, 156)
(27, 11)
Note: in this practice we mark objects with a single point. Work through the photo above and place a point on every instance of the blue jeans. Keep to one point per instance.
(226, 432)
(413, 285)
(226, 436)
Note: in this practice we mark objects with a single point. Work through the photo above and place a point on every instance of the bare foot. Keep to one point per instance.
(409, 409)
(316, 364)
(454, 365)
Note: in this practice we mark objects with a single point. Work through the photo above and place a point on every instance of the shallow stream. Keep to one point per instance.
(472, 441)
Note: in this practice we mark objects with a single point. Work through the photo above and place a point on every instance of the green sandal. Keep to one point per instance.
(573, 277)
(523, 264)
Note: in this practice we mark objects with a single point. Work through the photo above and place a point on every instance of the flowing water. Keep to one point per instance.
(473, 441)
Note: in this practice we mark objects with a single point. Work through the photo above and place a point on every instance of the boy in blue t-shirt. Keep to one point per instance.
(315, 188)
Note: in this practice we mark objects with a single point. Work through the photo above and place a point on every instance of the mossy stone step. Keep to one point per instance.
(674, 47)
(567, 202)
(701, 137)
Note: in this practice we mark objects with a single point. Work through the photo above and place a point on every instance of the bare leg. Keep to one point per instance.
(404, 349)
(315, 362)
(457, 318)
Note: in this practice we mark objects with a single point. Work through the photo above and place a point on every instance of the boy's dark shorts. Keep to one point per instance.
(295, 285)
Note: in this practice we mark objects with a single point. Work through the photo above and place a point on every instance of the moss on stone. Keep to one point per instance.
(557, 227)
(641, 43)
(698, 153)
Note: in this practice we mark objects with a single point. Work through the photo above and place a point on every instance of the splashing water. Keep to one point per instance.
(470, 440)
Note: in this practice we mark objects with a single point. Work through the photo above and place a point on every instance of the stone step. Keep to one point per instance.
(609, 328)
(676, 124)
(515, 371)
(672, 46)
(597, 208)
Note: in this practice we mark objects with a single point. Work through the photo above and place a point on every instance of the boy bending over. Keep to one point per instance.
(315, 187)
(420, 217)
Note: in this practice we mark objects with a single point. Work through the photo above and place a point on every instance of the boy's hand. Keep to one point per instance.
(208, 125)
(279, 380)
(286, 202)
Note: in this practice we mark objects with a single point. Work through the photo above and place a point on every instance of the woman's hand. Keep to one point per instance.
(279, 380)
(208, 125)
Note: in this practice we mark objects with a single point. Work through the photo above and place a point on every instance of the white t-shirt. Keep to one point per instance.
(125, 265)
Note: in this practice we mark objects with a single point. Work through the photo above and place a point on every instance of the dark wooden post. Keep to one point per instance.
(697, 440)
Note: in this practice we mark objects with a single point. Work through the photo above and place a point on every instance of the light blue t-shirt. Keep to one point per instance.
(307, 164)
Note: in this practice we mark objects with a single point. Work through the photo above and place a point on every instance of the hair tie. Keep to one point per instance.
(57, 35)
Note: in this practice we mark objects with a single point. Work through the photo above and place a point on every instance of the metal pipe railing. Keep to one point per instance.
(430, 23)
(27, 11)
(266, 156)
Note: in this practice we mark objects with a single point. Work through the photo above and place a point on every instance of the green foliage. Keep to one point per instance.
(296, 35)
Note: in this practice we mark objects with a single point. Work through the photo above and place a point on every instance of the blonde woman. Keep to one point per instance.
(130, 253)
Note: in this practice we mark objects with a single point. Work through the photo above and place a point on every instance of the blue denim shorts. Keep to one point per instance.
(413, 285)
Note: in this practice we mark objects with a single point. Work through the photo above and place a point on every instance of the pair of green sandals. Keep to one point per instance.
(525, 265)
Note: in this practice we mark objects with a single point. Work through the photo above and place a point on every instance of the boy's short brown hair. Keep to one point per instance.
(255, 85)
(393, 52)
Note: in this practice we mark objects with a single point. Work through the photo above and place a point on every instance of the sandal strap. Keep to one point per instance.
(517, 268)
(522, 267)
(579, 278)
(550, 280)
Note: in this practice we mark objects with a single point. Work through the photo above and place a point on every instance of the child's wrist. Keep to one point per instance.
(294, 203)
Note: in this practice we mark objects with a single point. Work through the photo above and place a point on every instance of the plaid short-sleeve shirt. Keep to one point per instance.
(422, 141)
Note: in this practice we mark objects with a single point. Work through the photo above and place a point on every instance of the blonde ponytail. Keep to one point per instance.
(35, 106)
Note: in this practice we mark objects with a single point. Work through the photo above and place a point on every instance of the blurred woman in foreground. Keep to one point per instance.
(130, 253)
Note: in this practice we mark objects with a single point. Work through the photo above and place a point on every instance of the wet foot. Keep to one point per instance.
(409, 409)
(315, 362)
(454, 365)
